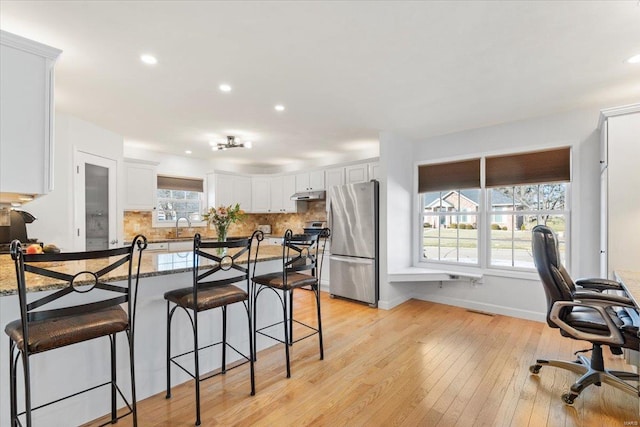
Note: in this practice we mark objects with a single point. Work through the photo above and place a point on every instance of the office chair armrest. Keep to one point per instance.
(604, 300)
(613, 338)
(599, 284)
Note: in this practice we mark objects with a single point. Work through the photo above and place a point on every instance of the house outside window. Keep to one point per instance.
(490, 226)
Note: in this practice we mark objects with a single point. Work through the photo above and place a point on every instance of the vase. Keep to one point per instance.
(222, 237)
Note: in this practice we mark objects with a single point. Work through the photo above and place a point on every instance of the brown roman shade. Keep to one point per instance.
(529, 168)
(449, 176)
(184, 184)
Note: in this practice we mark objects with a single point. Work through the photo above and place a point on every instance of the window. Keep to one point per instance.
(520, 209)
(450, 223)
(520, 191)
(450, 197)
(179, 198)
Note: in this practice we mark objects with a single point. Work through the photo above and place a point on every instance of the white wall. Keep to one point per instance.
(396, 154)
(517, 296)
(55, 210)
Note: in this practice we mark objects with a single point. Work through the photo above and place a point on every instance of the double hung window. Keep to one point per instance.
(490, 225)
(179, 198)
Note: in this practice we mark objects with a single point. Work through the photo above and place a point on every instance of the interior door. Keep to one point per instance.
(95, 225)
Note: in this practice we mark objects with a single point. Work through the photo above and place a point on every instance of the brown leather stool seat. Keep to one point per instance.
(292, 280)
(62, 331)
(207, 297)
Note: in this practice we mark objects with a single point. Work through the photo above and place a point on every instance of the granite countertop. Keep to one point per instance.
(153, 264)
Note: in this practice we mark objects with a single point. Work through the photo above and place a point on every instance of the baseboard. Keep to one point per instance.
(489, 308)
(389, 304)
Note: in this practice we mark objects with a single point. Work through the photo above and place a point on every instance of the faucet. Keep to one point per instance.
(177, 221)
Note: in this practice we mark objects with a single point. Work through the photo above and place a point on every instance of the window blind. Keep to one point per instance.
(449, 176)
(184, 184)
(529, 168)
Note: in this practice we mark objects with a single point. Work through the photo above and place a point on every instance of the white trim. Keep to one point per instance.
(617, 111)
(389, 304)
(488, 308)
(26, 45)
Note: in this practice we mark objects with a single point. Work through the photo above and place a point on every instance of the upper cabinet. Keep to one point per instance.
(26, 114)
(374, 171)
(310, 181)
(272, 194)
(356, 173)
(140, 181)
(232, 189)
(333, 177)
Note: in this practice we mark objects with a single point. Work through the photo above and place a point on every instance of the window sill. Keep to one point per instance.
(420, 274)
(182, 224)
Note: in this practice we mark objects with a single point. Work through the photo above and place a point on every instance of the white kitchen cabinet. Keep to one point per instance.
(26, 115)
(357, 173)
(334, 176)
(272, 194)
(260, 194)
(310, 181)
(140, 182)
(620, 236)
(374, 171)
(288, 188)
(232, 189)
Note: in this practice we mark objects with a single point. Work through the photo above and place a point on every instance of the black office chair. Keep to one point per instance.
(584, 313)
(99, 314)
(302, 257)
(214, 287)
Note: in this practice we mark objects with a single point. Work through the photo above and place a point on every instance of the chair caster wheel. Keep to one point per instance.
(535, 369)
(568, 398)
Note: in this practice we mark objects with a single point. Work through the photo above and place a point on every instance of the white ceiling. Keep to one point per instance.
(344, 70)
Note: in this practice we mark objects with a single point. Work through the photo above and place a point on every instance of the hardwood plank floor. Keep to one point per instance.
(420, 364)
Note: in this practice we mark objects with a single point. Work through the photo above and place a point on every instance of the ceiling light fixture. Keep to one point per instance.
(187, 151)
(279, 107)
(635, 59)
(225, 87)
(149, 59)
(231, 143)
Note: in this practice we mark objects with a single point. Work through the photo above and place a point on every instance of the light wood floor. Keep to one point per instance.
(420, 364)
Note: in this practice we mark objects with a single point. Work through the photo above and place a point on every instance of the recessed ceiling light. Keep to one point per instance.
(635, 59)
(248, 144)
(149, 59)
(279, 107)
(187, 151)
(225, 87)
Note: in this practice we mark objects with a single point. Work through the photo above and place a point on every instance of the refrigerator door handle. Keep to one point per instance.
(351, 259)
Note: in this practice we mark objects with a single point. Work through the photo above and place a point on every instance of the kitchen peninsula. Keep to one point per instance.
(160, 272)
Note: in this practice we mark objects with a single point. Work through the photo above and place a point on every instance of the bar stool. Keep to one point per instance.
(211, 288)
(302, 257)
(100, 315)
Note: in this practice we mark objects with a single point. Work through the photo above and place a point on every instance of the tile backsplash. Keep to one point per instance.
(140, 223)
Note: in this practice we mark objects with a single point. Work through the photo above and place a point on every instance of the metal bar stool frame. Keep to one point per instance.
(299, 254)
(77, 283)
(222, 262)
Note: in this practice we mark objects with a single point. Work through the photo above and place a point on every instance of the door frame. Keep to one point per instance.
(80, 159)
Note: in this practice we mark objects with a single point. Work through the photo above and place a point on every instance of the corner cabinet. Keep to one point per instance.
(26, 114)
(140, 181)
(619, 180)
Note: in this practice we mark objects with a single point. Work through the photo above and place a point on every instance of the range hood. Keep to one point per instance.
(308, 195)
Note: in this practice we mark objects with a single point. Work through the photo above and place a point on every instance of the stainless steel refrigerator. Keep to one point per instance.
(354, 266)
